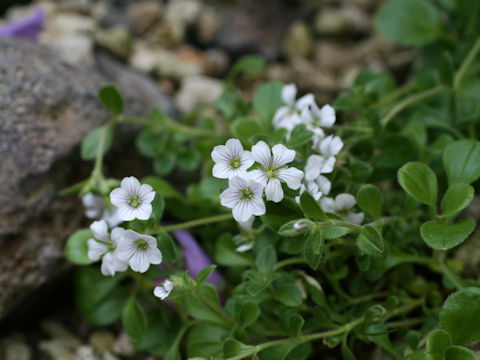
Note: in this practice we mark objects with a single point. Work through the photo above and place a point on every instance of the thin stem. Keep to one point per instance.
(466, 64)
(396, 94)
(450, 275)
(97, 168)
(404, 323)
(362, 299)
(409, 101)
(290, 261)
(192, 223)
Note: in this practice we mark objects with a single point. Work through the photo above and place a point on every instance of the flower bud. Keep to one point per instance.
(302, 225)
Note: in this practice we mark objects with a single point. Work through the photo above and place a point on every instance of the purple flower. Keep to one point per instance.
(27, 28)
(195, 257)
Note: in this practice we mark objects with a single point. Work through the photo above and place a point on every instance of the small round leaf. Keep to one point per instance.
(76, 249)
(444, 237)
(419, 181)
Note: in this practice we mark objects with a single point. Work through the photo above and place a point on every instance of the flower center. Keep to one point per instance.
(235, 162)
(246, 194)
(134, 201)
(271, 172)
(141, 244)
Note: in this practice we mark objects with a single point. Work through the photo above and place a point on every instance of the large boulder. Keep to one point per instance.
(46, 108)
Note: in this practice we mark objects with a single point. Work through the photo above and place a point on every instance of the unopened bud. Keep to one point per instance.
(302, 225)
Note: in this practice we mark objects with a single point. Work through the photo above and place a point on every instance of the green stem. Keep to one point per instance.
(404, 323)
(290, 261)
(362, 299)
(409, 101)
(97, 168)
(192, 223)
(395, 94)
(450, 275)
(466, 64)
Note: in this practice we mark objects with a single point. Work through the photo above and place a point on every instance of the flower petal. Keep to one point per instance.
(282, 155)
(258, 176)
(234, 147)
(131, 185)
(146, 194)
(328, 204)
(258, 206)
(292, 176)
(220, 154)
(143, 212)
(125, 249)
(345, 201)
(289, 92)
(118, 197)
(246, 159)
(305, 101)
(230, 197)
(355, 218)
(327, 116)
(95, 249)
(222, 171)
(313, 167)
(279, 116)
(117, 235)
(242, 211)
(328, 165)
(139, 261)
(274, 191)
(154, 256)
(107, 266)
(324, 185)
(100, 230)
(261, 153)
(126, 213)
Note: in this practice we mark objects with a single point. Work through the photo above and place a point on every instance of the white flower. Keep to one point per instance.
(287, 116)
(244, 247)
(133, 199)
(139, 250)
(314, 116)
(106, 247)
(330, 146)
(312, 188)
(318, 164)
(96, 208)
(246, 225)
(341, 206)
(244, 196)
(273, 169)
(231, 160)
(163, 290)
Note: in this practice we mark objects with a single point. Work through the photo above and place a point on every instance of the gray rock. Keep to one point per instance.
(299, 42)
(117, 40)
(46, 108)
(196, 91)
(15, 348)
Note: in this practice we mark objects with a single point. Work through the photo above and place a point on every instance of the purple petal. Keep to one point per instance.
(27, 28)
(195, 257)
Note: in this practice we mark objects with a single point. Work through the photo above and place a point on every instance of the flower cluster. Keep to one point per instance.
(246, 188)
(123, 248)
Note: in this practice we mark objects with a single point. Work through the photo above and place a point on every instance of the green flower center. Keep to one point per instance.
(141, 244)
(271, 172)
(235, 162)
(134, 201)
(247, 194)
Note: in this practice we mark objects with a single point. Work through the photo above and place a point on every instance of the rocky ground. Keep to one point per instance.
(180, 52)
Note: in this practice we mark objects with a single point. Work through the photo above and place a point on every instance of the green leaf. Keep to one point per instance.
(460, 316)
(378, 333)
(204, 304)
(109, 309)
(437, 343)
(164, 163)
(460, 353)
(134, 319)
(291, 230)
(370, 241)
(205, 273)
(167, 247)
(346, 352)
(245, 128)
(266, 259)
(462, 161)
(313, 250)
(295, 325)
(369, 199)
(161, 186)
(234, 348)
(111, 99)
(267, 99)
(300, 136)
(444, 237)
(310, 207)
(249, 314)
(247, 63)
(158, 205)
(226, 255)
(419, 181)
(206, 340)
(189, 159)
(279, 352)
(467, 102)
(76, 249)
(457, 198)
(409, 22)
(90, 143)
(289, 294)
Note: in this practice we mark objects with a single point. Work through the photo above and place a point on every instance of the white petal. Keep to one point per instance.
(222, 171)
(289, 121)
(118, 265)
(274, 191)
(324, 185)
(111, 217)
(237, 182)
(328, 204)
(242, 211)
(327, 116)
(100, 230)
(131, 185)
(355, 218)
(146, 194)
(344, 201)
(292, 176)
(258, 176)
(220, 154)
(313, 167)
(89, 200)
(282, 155)
(143, 212)
(139, 261)
(247, 225)
(163, 290)
(328, 165)
(279, 116)
(256, 187)
(336, 145)
(118, 197)
(235, 147)
(95, 249)
(261, 153)
(305, 101)
(306, 116)
(154, 256)
(126, 213)
(126, 248)
(244, 248)
(230, 197)
(247, 159)
(289, 92)
(313, 190)
(117, 235)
